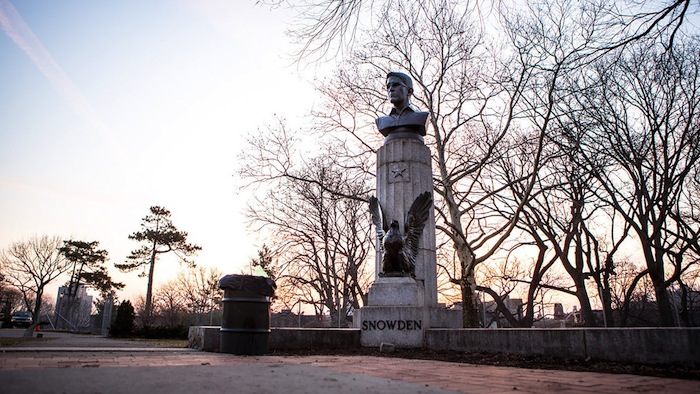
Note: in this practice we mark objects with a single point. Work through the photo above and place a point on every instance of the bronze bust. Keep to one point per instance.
(403, 121)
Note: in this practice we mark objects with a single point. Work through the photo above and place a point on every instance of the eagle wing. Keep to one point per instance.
(378, 219)
(415, 222)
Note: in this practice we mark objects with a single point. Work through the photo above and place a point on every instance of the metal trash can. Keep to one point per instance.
(245, 324)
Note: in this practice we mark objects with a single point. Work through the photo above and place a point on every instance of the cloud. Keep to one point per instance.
(22, 35)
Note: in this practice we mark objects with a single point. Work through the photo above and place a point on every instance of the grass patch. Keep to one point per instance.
(18, 341)
(177, 343)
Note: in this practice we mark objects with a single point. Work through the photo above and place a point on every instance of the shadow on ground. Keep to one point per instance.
(518, 361)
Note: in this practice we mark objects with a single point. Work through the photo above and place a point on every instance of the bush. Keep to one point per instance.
(162, 332)
(123, 325)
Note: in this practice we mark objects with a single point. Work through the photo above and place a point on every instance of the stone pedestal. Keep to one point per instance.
(398, 308)
(395, 313)
(396, 292)
(402, 326)
(404, 171)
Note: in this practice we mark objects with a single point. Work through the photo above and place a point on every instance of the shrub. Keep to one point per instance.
(162, 332)
(123, 325)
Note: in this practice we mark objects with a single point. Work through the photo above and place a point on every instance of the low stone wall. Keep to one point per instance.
(636, 345)
(314, 338)
(207, 338)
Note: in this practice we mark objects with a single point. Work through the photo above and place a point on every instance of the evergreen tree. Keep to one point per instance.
(124, 322)
(158, 235)
(88, 267)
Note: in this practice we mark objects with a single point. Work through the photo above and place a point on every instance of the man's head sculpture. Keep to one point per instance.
(403, 121)
(403, 77)
(399, 87)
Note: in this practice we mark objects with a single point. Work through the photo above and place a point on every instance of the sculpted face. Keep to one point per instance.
(403, 121)
(398, 92)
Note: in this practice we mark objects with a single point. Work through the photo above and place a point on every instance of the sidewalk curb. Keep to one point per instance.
(44, 349)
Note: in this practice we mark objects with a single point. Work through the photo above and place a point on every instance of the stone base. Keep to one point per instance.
(396, 291)
(205, 338)
(402, 326)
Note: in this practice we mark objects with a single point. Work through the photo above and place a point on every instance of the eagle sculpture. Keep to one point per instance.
(399, 250)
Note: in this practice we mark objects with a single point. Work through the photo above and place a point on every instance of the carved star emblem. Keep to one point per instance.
(398, 173)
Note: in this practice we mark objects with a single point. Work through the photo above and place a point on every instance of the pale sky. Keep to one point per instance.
(107, 108)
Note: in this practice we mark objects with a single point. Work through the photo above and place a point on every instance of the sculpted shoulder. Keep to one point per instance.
(413, 121)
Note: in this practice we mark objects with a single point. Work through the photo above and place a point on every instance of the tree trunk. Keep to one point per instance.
(149, 291)
(37, 304)
(607, 304)
(656, 274)
(589, 319)
(684, 313)
(628, 298)
(470, 312)
(663, 303)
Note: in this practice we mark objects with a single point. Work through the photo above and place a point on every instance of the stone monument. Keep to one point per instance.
(404, 292)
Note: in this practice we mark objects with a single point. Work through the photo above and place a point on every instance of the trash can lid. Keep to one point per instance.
(253, 284)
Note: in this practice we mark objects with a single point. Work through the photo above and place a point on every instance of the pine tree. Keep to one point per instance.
(158, 235)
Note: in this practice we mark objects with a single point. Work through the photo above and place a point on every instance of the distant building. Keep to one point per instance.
(494, 318)
(73, 313)
(559, 311)
(561, 319)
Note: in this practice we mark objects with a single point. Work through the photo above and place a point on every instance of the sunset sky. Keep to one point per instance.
(107, 108)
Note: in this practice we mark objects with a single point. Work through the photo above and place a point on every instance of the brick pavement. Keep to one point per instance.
(431, 375)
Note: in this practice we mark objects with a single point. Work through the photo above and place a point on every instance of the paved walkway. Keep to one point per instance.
(63, 363)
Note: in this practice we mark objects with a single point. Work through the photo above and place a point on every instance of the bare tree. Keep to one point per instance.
(560, 218)
(200, 289)
(30, 266)
(328, 26)
(142, 318)
(325, 28)
(640, 113)
(10, 300)
(169, 305)
(566, 203)
(316, 221)
(633, 21)
(495, 127)
(552, 40)
(689, 280)
(474, 104)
